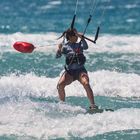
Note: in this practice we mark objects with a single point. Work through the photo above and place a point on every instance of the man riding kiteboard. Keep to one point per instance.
(74, 67)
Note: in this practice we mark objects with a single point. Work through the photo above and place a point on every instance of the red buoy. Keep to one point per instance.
(24, 47)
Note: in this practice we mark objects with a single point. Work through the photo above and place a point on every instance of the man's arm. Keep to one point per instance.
(59, 51)
(84, 44)
(83, 41)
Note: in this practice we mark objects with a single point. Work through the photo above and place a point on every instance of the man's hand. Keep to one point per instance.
(80, 35)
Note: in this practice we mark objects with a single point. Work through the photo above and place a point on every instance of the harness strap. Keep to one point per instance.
(76, 58)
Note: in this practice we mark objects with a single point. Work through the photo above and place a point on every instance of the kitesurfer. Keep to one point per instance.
(74, 67)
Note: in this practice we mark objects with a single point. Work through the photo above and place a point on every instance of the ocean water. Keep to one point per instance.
(29, 104)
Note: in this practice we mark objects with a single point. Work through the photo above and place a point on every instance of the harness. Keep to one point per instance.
(79, 59)
(76, 58)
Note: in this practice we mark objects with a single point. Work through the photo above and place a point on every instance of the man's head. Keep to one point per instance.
(71, 35)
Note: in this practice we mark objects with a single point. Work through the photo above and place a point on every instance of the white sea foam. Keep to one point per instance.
(131, 6)
(28, 85)
(130, 20)
(42, 42)
(122, 44)
(48, 42)
(104, 83)
(50, 5)
(116, 84)
(19, 115)
(32, 119)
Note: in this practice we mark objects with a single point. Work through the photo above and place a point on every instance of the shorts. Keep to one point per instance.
(76, 72)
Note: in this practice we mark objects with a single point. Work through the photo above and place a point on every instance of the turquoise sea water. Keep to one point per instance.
(29, 104)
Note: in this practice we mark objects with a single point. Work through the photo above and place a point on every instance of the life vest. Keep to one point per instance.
(79, 59)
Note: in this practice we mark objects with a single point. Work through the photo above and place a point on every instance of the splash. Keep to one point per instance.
(48, 42)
